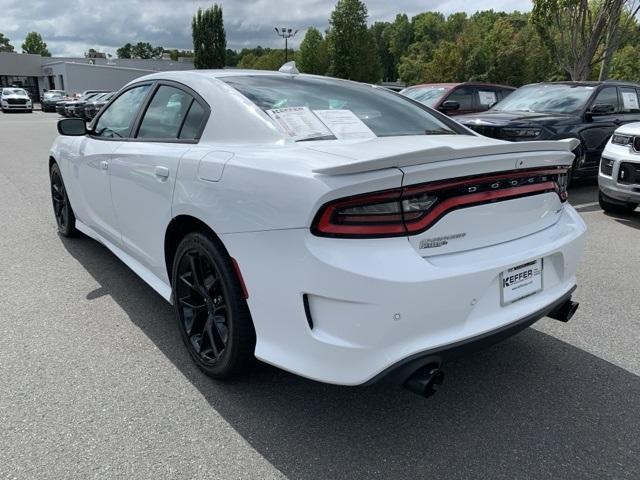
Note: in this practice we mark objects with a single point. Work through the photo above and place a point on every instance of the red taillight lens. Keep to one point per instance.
(413, 209)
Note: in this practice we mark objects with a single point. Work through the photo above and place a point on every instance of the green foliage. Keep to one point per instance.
(489, 46)
(313, 56)
(141, 50)
(175, 54)
(381, 33)
(209, 38)
(5, 46)
(33, 43)
(352, 50)
(626, 63)
(262, 58)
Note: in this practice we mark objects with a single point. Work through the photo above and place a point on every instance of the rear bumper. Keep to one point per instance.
(401, 371)
(374, 303)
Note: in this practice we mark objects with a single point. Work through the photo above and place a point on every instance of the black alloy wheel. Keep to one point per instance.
(62, 210)
(212, 313)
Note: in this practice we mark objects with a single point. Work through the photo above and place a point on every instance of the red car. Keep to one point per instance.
(458, 98)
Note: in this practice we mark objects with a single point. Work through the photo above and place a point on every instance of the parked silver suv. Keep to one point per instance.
(619, 176)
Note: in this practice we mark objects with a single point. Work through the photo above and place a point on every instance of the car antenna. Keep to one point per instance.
(289, 67)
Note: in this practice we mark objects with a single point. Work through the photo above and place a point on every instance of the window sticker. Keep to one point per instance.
(345, 124)
(487, 98)
(299, 122)
(630, 101)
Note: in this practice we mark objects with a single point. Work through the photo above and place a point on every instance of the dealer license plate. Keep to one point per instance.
(521, 281)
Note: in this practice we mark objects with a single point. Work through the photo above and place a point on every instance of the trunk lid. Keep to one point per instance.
(487, 192)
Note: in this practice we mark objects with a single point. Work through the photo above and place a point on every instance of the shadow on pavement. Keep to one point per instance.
(532, 407)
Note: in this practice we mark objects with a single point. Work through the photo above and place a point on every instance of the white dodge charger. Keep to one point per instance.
(336, 230)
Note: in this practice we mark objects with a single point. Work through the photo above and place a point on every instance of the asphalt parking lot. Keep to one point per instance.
(95, 383)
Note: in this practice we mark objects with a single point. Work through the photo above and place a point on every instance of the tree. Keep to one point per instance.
(625, 12)
(400, 36)
(380, 32)
(5, 46)
(124, 51)
(141, 50)
(352, 53)
(144, 50)
(33, 43)
(575, 31)
(209, 38)
(312, 56)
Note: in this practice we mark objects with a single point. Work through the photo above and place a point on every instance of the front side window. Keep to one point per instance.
(608, 96)
(464, 97)
(116, 120)
(385, 113)
(165, 115)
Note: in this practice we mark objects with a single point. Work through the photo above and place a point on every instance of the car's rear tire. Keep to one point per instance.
(62, 210)
(211, 310)
(613, 206)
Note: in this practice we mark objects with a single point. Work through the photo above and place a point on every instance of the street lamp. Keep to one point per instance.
(286, 33)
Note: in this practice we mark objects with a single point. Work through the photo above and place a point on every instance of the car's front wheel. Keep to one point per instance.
(613, 206)
(62, 210)
(213, 316)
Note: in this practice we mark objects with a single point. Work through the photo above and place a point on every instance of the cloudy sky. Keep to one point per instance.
(70, 27)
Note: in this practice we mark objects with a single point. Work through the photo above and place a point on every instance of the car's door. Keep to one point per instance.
(600, 122)
(92, 166)
(144, 170)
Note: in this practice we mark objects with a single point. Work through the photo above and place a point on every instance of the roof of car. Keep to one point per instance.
(588, 83)
(471, 84)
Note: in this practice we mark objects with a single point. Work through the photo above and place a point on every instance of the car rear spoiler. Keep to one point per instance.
(440, 154)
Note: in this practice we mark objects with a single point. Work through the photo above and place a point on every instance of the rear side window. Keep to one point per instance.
(116, 120)
(195, 117)
(630, 102)
(165, 115)
(486, 97)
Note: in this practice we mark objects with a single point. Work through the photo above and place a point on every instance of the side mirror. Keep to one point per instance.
(601, 109)
(74, 127)
(449, 105)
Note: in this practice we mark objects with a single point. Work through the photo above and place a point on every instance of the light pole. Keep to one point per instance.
(286, 33)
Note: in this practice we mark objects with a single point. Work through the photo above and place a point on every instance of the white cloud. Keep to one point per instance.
(70, 27)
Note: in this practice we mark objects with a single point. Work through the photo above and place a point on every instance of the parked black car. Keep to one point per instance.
(50, 98)
(588, 111)
(61, 104)
(93, 106)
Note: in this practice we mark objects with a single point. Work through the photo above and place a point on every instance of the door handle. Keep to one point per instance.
(104, 165)
(162, 172)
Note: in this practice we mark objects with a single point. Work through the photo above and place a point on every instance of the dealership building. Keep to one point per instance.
(37, 74)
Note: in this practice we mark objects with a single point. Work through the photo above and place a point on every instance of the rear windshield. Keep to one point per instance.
(385, 113)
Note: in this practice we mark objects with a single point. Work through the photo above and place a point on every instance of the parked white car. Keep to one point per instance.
(15, 99)
(336, 230)
(619, 177)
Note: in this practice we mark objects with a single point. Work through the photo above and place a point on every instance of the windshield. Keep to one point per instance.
(427, 95)
(53, 95)
(14, 91)
(340, 105)
(554, 98)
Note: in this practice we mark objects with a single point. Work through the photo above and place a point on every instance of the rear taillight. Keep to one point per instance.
(413, 209)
